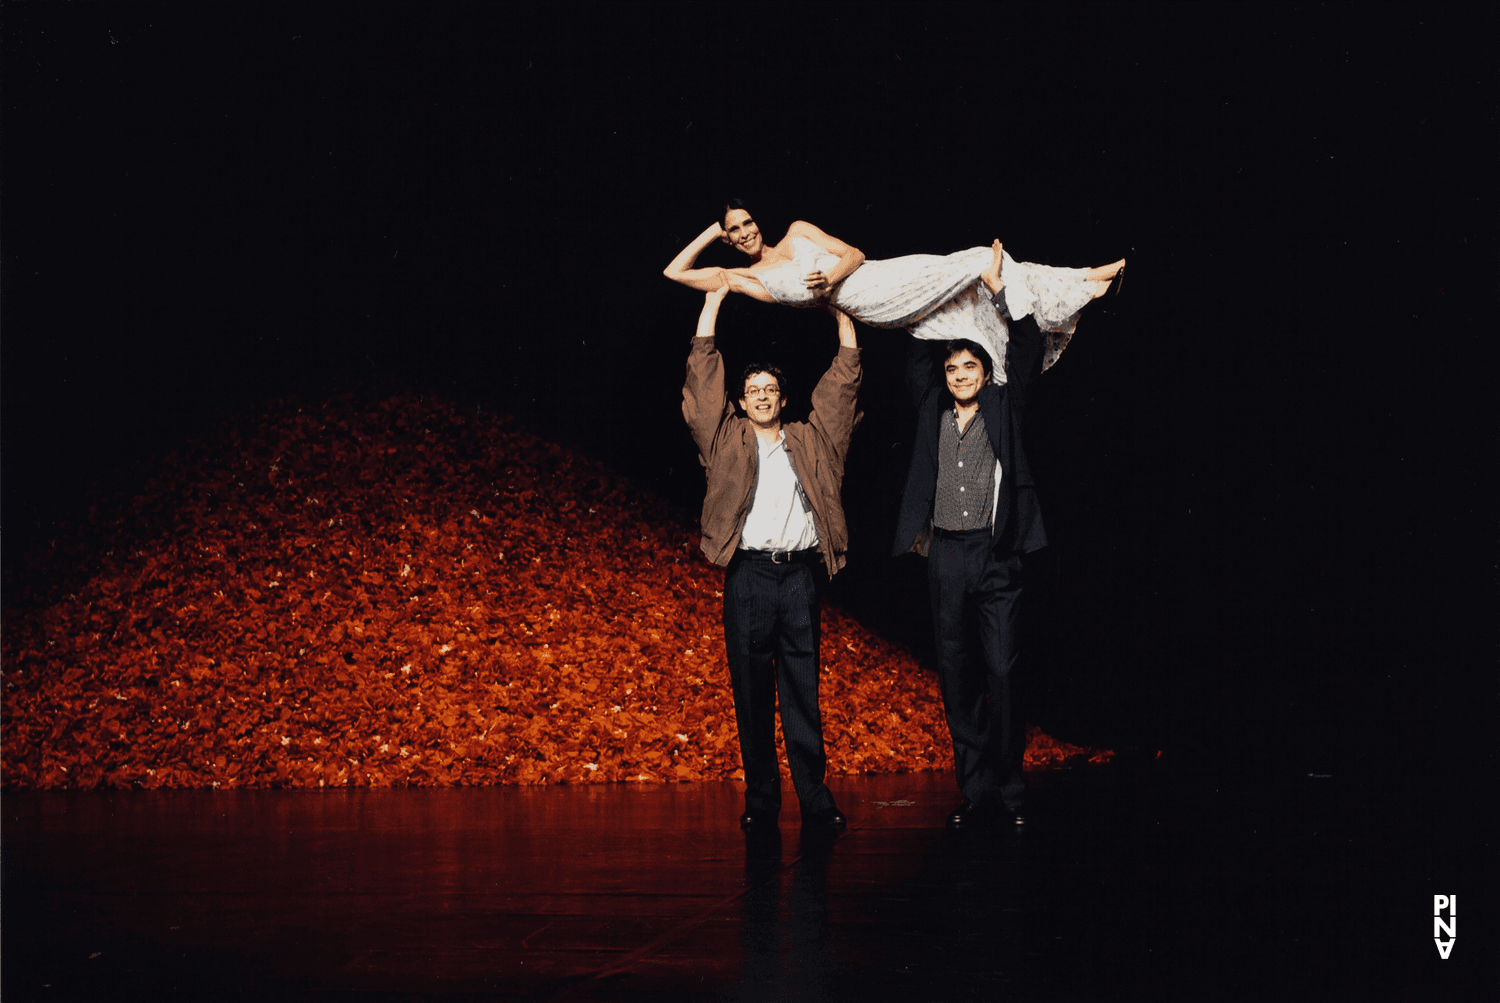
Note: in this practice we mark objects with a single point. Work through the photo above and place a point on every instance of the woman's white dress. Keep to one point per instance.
(939, 296)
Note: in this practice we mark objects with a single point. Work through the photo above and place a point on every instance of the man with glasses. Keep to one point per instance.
(774, 518)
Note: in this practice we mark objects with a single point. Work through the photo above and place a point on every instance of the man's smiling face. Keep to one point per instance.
(763, 401)
(965, 374)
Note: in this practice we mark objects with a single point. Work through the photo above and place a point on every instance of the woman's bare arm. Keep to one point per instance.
(706, 280)
(681, 268)
(850, 257)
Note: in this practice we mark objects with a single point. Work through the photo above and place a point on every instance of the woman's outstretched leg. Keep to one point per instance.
(1101, 277)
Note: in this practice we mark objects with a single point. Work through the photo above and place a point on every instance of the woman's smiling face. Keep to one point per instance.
(742, 233)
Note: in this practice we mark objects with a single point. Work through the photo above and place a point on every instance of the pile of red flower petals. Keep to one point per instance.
(406, 592)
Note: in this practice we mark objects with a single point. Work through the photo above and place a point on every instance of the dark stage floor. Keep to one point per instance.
(1131, 883)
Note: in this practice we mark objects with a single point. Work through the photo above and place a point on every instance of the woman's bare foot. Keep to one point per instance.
(1102, 276)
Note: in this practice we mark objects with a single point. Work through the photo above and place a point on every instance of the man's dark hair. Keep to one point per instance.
(760, 367)
(959, 345)
(730, 205)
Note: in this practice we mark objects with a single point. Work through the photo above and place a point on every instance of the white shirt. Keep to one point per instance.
(778, 519)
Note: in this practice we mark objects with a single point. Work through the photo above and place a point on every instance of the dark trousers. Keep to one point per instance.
(975, 599)
(771, 632)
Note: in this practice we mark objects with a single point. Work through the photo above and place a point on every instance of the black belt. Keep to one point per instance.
(808, 556)
(960, 534)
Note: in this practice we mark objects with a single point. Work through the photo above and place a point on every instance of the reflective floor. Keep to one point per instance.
(1129, 883)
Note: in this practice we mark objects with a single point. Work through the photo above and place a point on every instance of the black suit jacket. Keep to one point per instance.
(1018, 516)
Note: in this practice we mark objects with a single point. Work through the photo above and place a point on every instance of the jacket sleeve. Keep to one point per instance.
(1023, 362)
(705, 405)
(922, 372)
(835, 401)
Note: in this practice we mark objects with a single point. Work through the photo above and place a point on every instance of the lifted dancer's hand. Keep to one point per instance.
(991, 275)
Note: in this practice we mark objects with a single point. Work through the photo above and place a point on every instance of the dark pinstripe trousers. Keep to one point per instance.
(975, 599)
(771, 633)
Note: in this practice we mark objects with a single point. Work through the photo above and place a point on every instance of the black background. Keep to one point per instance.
(1267, 466)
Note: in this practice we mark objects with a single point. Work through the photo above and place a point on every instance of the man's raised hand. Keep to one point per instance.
(846, 326)
(710, 314)
(991, 275)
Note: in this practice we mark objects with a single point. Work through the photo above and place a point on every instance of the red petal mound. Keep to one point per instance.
(407, 593)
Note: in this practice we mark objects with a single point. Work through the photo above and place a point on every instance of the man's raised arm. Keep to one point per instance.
(922, 371)
(835, 400)
(705, 406)
(1023, 350)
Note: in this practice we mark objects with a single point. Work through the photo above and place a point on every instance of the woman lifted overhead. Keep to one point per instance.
(934, 296)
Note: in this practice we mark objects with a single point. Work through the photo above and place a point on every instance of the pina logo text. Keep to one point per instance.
(1442, 927)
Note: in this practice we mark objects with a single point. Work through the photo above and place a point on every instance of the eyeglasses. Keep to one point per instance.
(762, 391)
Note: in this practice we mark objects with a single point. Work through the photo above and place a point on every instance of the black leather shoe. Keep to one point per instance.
(990, 819)
(828, 818)
(758, 818)
(1006, 817)
(966, 816)
(971, 816)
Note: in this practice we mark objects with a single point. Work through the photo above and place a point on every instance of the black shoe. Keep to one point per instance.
(758, 818)
(1005, 817)
(972, 816)
(967, 815)
(830, 819)
(1118, 282)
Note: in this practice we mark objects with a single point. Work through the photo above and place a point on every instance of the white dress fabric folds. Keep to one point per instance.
(939, 297)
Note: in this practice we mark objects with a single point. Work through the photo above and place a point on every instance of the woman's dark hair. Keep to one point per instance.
(959, 345)
(730, 205)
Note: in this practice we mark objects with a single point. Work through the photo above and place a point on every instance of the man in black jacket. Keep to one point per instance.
(970, 506)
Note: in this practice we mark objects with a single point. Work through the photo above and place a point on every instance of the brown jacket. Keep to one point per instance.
(727, 449)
